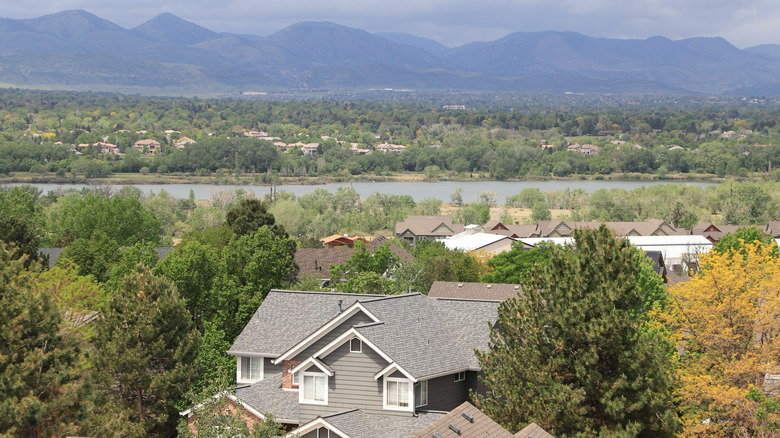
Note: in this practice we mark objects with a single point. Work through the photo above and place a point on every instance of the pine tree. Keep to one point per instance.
(43, 390)
(147, 348)
(578, 354)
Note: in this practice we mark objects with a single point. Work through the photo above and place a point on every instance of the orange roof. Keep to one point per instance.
(333, 237)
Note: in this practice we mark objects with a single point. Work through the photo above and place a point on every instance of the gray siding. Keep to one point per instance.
(357, 319)
(475, 384)
(353, 384)
(445, 394)
(270, 369)
(312, 434)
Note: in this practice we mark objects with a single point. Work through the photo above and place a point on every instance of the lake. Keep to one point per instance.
(418, 190)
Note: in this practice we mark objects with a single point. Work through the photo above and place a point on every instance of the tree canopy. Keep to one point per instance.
(577, 353)
(147, 348)
(729, 332)
(44, 388)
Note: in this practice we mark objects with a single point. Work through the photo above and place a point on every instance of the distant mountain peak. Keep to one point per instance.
(70, 23)
(170, 28)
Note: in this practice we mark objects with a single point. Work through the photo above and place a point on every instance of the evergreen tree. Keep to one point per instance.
(578, 353)
(44, 390)
(17, 231)
(147, 348)
(249, 216)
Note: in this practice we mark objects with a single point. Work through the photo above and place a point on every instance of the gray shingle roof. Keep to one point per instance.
(424, 335)
(287, 317)
(54, 253)
(359, 424)
(428, 336)
(479, 425)
(267, 396)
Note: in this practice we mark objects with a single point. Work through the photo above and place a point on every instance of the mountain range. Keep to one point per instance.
(78, 49)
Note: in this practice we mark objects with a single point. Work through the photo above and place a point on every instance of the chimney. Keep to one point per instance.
(339, 302)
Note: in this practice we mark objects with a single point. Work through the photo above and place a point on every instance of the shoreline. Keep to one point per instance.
(255, 180)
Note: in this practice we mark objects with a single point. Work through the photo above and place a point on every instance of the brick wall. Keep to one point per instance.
(287, 378)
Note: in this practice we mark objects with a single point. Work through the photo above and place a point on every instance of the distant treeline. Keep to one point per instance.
(39, 132)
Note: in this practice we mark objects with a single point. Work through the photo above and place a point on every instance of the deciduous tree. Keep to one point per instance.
(730, 335)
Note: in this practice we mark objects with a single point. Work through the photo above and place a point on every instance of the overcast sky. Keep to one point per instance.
(744, 23)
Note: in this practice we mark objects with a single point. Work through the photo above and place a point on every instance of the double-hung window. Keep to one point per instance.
(250, 369)
(315, 389)
(398, 394)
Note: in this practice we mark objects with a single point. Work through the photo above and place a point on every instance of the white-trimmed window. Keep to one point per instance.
(249, 369)
(295, 379)
(355, 345)
(398, 394)
(461, 376)
(314, 389)
(323, 432)
(421, 393)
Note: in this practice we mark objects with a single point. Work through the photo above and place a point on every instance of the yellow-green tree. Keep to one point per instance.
(729, 326)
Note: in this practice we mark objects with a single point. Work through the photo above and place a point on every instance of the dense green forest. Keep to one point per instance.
(494, 137)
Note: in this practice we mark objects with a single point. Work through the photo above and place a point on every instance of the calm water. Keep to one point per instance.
(418, 190)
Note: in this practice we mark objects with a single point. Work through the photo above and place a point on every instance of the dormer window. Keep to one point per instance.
(249, 369)
(355, 345)
(398, 394)
(315, 389)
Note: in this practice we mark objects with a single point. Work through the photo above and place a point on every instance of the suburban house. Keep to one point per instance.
(337, 240)
(585, 149)
(357, 365)
(679, 252)
(388, 147)
(416, 228)
(147, 146)
(772, 229)
(315, 262)
(473, 291)
(102, 147)
(182, 142)
(714, 233)
(511, 230)
(652, 227)
(474, 240)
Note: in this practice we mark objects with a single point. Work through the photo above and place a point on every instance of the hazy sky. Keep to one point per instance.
(451, 22)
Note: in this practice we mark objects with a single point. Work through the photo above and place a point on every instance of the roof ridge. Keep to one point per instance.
(466, 299)
(386, 297)
(313, 292)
